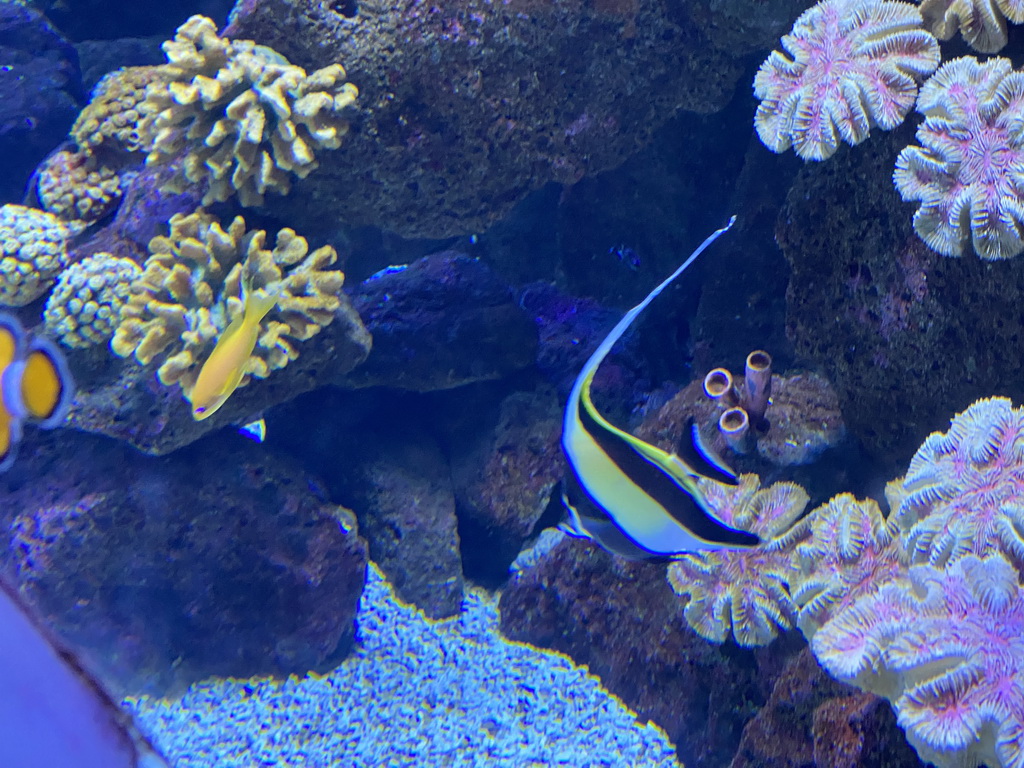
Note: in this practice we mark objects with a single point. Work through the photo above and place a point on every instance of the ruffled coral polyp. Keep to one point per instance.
(852, 65)
(968, 173)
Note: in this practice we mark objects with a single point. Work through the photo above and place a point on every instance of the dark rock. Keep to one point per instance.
(98, 57)
(812, 720)
(40, 94)
(506, 463)
(114, 19)
(399, 483)
(444, 321)
(625, 623)
(906, 336)
(466, 107)
(220, 560)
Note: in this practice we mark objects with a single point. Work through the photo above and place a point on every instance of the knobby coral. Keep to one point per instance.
(77, 186)
(947, 649)
(85, 305)
(968, 174)
(851, 550)
(964, 489)
(852, 65)
(112, 120)
(242, 118)
(192, 287)
(33, 251)
(982, 22)
(744, 591)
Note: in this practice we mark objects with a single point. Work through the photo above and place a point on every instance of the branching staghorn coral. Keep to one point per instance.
(964, 489)
(968, 173)
(192, 288)
(33, 251)
(852, 65)
(85, 305)
(243, 118)
(947, 649)
(982, 22)
(851, 550)
(745, 592)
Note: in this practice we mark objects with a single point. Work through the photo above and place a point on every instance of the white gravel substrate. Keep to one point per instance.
(416, 692)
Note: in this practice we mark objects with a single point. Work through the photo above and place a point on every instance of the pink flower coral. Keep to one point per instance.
(851, 550)
(948, 651)
(964, 490)
(744, 591)
(969, 172)
(855, 64)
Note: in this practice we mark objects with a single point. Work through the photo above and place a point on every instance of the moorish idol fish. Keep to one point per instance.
(52, 712)
(637, 500)
(35, 385)
(224, 368)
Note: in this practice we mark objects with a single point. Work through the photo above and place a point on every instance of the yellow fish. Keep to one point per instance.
(35, 385)
(223, 370)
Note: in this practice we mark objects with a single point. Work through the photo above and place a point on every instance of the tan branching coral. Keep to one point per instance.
(77, 187)
(192, 287)
(244, 119)
(745, 592)
(84, 308)
(33, 251)
(112, 120)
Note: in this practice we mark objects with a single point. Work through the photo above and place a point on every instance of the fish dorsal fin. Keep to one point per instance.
(697, 452)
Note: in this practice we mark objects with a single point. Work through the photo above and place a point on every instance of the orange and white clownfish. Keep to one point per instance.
(35, 385)
(635, 499)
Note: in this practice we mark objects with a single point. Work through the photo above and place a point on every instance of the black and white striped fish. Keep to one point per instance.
(632, 497)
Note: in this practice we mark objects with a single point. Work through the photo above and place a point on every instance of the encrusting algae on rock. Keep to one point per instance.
(192, 288)
(243, 118)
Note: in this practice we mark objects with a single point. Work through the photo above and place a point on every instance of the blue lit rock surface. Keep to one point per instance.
(40, 93)
(221, 559)
(415, 693)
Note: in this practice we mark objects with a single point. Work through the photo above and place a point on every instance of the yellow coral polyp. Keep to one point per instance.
(33, 251)
(243, 118)
(191, 288)
(113, 119)
(77, 187)
(84, 308)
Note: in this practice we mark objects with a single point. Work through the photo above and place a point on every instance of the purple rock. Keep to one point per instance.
(40, 93)
(221, 560)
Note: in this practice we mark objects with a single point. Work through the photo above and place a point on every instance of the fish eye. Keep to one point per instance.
(200, 409)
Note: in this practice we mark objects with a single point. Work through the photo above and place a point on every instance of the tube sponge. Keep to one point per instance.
(191, 289)
(85, 305)
(244, 119)
(33, 251)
